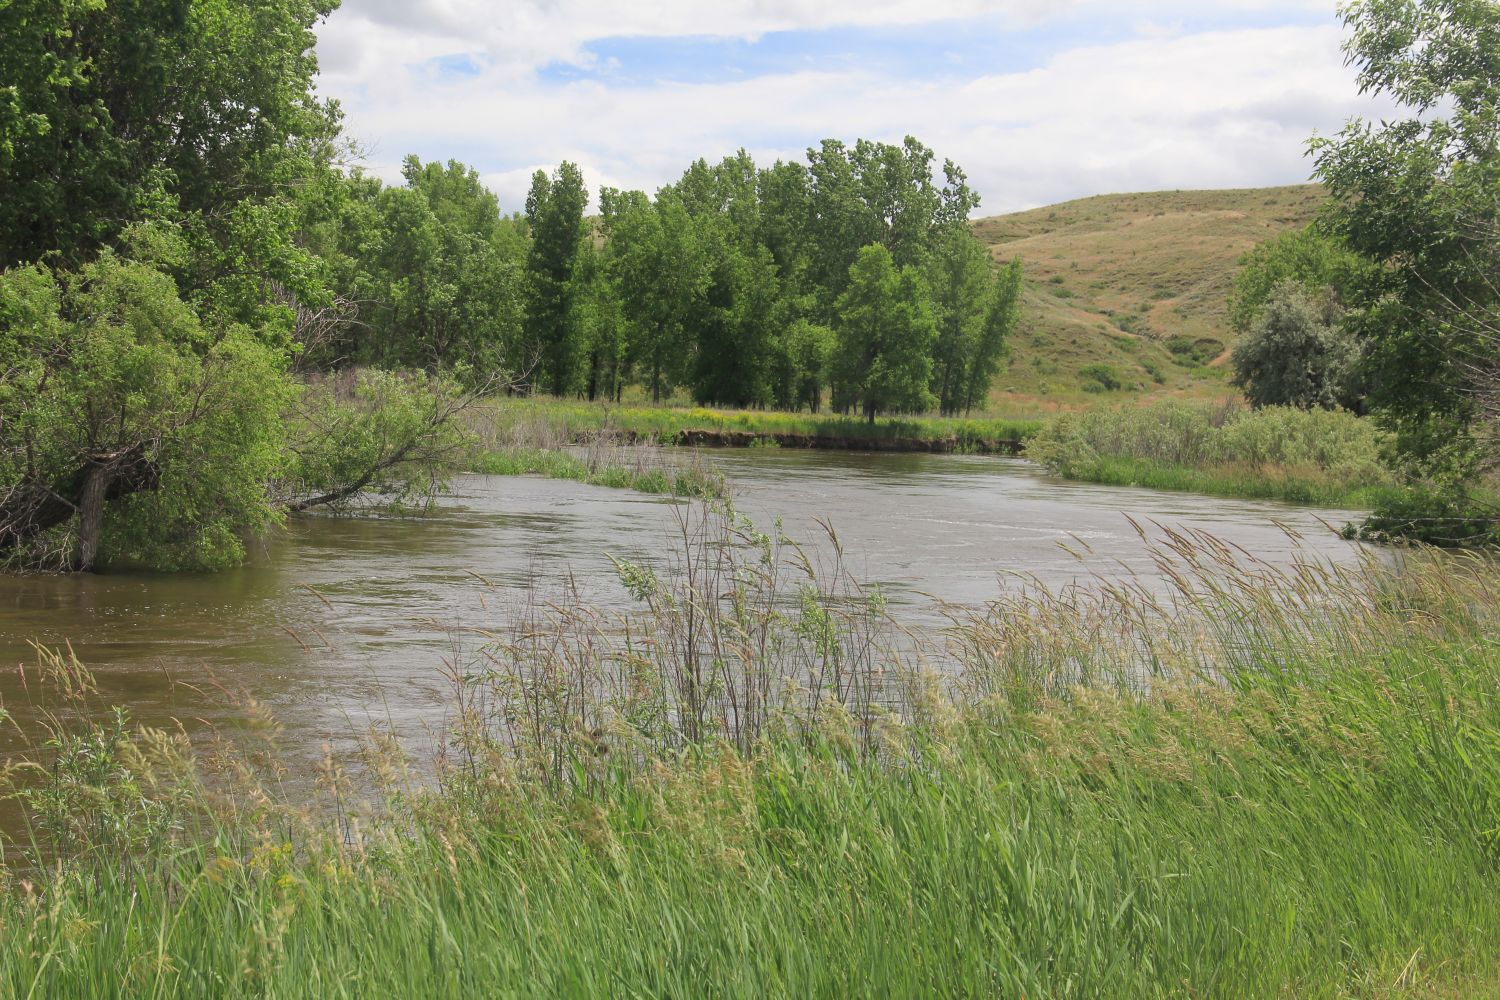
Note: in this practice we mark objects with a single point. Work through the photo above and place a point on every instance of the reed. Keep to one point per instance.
(1229, 780)
(1318, 457)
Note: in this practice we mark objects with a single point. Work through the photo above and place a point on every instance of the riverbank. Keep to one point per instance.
(1318, 457)
(1271, 782)
(1221, 448)
(572, 422)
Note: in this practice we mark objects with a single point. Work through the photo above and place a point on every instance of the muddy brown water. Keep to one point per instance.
(339, 623)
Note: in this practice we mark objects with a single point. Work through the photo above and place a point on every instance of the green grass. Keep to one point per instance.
(689, 480)
(1324, 458)
(1245, 482)
(1265, 783)
(570, 420)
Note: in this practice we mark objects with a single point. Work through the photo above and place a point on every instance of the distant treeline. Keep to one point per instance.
(749, 286)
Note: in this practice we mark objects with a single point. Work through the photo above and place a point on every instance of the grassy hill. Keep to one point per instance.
(1133, 282)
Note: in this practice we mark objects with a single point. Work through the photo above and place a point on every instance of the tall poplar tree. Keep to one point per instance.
(554, 212)
(883, 359)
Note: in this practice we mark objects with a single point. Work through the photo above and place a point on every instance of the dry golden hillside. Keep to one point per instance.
(1115, 280)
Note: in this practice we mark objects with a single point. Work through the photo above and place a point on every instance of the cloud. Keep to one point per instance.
(1146, 109)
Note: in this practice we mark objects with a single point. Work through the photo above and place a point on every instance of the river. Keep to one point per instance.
(339, 623)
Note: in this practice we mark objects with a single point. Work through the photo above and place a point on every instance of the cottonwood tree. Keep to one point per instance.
(129, 430)
(1419, 197)
(974, 309)
(111, 113)
(875, 192)
(883, 358)
(657, 265)
(1313, 259)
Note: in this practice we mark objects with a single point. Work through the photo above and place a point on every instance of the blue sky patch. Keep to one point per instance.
(960, 49)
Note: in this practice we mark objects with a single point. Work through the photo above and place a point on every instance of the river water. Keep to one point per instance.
(338, 623)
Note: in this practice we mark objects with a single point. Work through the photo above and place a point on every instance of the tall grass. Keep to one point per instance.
(1331, 458)
(1244, 781)
(509, 443)
(575, 420)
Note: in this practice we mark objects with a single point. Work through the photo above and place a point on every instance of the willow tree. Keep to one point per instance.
(129, 430)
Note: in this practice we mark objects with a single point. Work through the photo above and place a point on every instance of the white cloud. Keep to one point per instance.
(1166, 109)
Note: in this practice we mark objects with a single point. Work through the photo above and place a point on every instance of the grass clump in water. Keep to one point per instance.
(1255, 782)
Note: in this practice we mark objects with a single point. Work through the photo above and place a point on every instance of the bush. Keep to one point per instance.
(1433, 515)
(1191, 352)
(1099, 378)
(1297, 354)
(1320, 456)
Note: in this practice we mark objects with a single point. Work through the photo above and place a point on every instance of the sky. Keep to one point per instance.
(1039, 102)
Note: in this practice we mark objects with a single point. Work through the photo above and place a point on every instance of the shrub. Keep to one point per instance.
(1191, 352)
(1297, 354)
(1099, 378)
(1319, 456)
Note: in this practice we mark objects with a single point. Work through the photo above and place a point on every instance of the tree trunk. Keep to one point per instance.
(91, 499)
(34, 508)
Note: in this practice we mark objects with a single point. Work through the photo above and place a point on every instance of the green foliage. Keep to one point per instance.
(882, 359)
(1099, 378)
(114, 112)
(1416, 197)
(375, 436)
(1189, 351)
(735, 321)
(1298, 354)
(1310, 259)
(1328, 457)
(876, 193)
(554, 213)
(974, 312)
(808, 351)
(109, 370)
(656, 262)
(1447, 515)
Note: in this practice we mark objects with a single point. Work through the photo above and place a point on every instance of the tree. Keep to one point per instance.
(733, 319)
(876, 192)
(444, 286)
(1419, 198)
(554, 211)
(372, 434)
(598, 318)
(974, 310)
(111, 113)
(1319, 263)
(883, 358)
(992, 347)
(1297, 354)
(807, 350)
(129, 431)
(657, 267)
